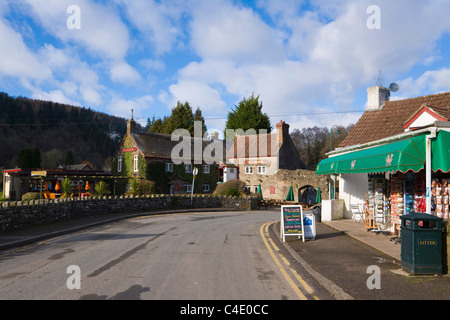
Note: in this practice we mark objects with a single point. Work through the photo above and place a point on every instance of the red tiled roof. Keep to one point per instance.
(389, 121)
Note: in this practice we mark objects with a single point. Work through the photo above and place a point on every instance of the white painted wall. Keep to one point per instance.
(352, 189)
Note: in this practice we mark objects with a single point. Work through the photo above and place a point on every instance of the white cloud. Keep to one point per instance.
(16, 59)
(157, 21)
(198, 95)
(122, 107)
(102, 31)
(122, 72)
(430, 82)
(221, 31)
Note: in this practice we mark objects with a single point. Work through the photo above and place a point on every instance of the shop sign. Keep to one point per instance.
(427, 243)
(256, 162)
(123, 150)
(38, 173)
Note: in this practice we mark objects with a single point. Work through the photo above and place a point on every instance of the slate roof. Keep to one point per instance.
(160, 146)
(389, 121)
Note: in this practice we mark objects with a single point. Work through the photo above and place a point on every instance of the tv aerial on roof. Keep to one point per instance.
(394, 87)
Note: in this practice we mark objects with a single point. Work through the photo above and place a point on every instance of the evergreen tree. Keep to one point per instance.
(181, 117)
(199, 117)
(69, 158)
(248, 115)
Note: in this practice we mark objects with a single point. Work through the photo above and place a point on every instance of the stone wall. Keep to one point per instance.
(17, 214)
(276, 186)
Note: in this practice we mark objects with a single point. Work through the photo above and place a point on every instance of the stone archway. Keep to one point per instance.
(276, 187)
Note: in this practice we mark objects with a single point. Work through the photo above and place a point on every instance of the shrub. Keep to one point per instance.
(231, 188)
(101, 188)
(146, 187)
(66, 186)
(31, 196)
(141, 187)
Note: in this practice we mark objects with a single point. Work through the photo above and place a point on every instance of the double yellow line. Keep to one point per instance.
(264, 231)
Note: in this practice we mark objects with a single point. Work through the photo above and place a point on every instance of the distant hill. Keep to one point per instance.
(57, 129)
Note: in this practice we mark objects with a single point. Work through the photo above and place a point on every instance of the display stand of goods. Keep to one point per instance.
(440, 192)
(396, 200)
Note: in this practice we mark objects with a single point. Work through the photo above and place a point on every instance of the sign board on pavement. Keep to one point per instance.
(309, 225)
(292, 222)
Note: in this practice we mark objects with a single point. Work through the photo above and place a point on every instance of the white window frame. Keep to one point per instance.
(206, 168)
(119, 163)
(249, 170)
(206, 188)
(188, 168)
(248, 188)
(169, 167)
(261, 169)
(188, 188)
(136, 163)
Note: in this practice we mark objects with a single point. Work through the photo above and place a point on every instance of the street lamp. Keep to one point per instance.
(194, 175)
(333, 190)
(331, 136)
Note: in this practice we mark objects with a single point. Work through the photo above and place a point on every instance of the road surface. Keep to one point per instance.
(190, 256)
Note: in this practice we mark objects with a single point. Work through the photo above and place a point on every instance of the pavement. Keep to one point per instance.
(349, 261)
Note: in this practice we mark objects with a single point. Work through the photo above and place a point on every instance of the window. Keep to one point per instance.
(169, 167)
(248, 170)
(188, 188)
(261, 169)
(188, 168)
(248, 189)
(231, 170)
(206, 168)
(135, 163)
(256, 189)
(206, 188)
(119, 164)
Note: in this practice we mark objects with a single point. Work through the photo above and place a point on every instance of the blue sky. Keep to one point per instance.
(309, 61)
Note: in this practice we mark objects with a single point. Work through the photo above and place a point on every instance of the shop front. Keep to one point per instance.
(396, 176)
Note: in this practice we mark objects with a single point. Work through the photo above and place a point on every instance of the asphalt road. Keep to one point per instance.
(191, 256)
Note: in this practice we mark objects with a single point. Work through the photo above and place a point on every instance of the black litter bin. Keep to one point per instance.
(421, 248)
(317, 212)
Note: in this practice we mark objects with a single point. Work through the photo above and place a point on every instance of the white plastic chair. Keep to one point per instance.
(357, 212)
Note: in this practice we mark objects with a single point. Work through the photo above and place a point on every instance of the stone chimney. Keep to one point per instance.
(214, 135)
(283, 131)
(131, 124)
(376, 97)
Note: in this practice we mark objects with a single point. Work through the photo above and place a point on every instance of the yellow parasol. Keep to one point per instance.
(57, 186)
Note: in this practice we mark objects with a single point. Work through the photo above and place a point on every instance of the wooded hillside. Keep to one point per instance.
(55, 129)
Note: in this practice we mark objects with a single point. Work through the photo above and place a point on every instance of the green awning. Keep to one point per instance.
(404, 155)
(440, 152)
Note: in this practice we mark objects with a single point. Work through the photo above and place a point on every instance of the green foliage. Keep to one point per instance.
(101, 188)
(69, 158)
(134, 185)
(231, 188)
(141, 187)
(146, 187)
(66, 186)
(181, 117)
(48, 126)
(312, 144)
(248, 115)
(29, 158)
(31, 196)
